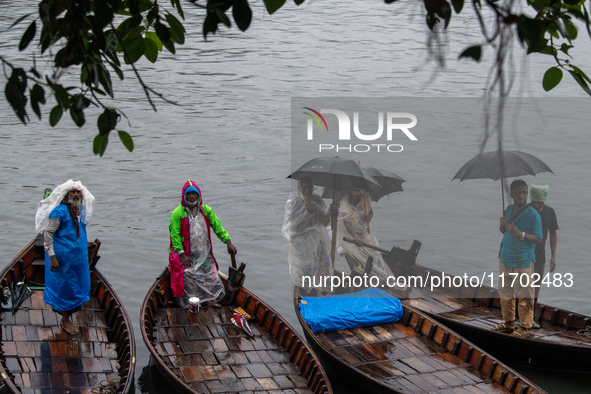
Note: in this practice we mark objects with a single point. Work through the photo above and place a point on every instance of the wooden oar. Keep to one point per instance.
(382, 250)
(396, 254)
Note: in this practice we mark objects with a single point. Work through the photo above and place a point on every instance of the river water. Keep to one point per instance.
(230, 132)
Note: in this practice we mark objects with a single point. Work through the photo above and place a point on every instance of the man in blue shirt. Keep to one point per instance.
(522, 230)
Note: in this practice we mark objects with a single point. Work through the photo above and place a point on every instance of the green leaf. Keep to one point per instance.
(177, 5)
(273, 5)
(298, 2)
(580, 72)
(15, 93)
(77, 116)
(105, 80)
(564, 48)
(103, 144)
(99, 144)
(242, 14)
(107, 121)
(586, 19)
(28, 36)
(126, 139)
(177, 30)
(62, 96)
(111, 45)
(571, 30)
(117, 71)
(458, 5)
(162, 32)
(19, 20)
(210, 24)
(581, 82)
(154, 37)
(151, 52)
(548, 50)
(552, 77)
(169, 46)
(96, 144)
(153, 14)
(55, 115)
(561, 29)
(223, 17)
(128, 24)
(134, 49)
(474, 52)
(37, 95)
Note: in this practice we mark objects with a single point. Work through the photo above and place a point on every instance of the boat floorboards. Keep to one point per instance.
(398, 356)
(41, 356)
(475, 314)
(211, 355)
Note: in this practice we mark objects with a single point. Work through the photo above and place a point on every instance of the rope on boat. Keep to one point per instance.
(586, 332)
(107, 387)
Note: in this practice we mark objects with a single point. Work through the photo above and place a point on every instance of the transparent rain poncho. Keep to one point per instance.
(202, 280)
(309, 245)
(355, 213)
(55, 198)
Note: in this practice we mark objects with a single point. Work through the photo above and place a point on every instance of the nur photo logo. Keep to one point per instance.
(397, 124)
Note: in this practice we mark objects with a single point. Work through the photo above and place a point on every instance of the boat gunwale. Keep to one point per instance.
(128, 366)
(291, 341)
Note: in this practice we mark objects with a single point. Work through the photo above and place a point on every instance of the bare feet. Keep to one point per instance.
(213, 304)
(67, 325)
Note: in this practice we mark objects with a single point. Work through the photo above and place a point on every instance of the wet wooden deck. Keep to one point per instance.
(44, 359)
(211, 355)
(407, 361)
(477, 315)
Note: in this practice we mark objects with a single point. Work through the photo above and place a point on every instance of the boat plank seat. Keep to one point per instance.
(40, 355)
(211, 355)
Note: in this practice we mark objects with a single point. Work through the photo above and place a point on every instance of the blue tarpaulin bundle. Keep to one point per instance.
(368, 307)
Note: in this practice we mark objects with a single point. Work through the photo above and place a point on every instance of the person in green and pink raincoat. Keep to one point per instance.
(193, 267)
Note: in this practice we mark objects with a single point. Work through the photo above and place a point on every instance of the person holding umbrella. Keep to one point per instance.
(522, 230)
(306, 219)
(354, 218)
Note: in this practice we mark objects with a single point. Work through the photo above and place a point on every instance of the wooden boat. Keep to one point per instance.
(38, 357)
(205, 353)
(559, 344)
(414, 355)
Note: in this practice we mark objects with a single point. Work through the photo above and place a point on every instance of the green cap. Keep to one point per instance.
(538, 193)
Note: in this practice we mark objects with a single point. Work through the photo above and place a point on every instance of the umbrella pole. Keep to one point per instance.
(503, 194)
(335, 220)
(502, 180)
(365, 204)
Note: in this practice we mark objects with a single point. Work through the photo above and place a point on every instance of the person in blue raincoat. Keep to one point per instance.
(67, 275)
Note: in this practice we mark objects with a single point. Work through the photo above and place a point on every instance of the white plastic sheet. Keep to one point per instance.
(55, 198)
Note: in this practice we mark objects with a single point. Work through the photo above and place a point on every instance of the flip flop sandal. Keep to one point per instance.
(535, 325)
(502, 328)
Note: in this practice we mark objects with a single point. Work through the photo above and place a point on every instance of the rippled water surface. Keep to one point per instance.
(230, 132)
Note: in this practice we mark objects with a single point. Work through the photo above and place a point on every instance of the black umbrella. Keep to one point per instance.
(501, 164)
(20, 292)
(388, 183)
(337, 174)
